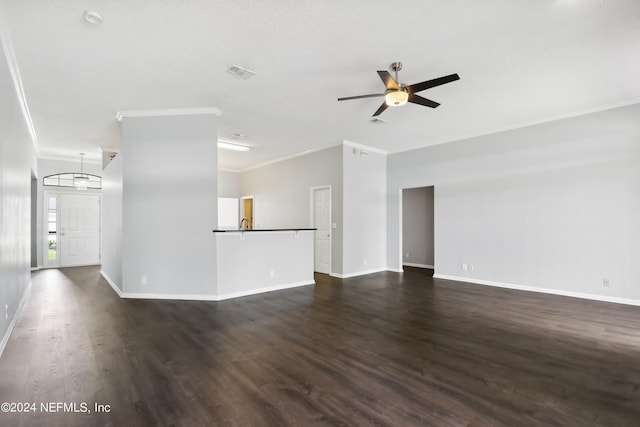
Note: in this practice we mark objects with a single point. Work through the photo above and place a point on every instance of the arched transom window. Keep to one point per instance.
(66, 180)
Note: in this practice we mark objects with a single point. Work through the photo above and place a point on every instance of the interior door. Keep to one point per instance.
(79, 229)
(322, 219)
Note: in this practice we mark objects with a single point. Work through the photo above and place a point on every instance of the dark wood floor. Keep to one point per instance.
(384, 349)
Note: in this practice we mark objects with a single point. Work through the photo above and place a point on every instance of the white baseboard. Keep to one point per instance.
(182, 297)
(594, 297)
(111, 283)
(413, 264)
(263, 290)
(16, 315)
(395, 270)
(206, 297)
(357, 273)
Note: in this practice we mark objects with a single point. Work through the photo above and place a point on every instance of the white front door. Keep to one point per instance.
(79, 229)
(322, 222)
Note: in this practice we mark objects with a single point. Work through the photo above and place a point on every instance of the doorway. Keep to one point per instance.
(418, 249)
(34, 221)
(72, 229)
(247, 213)
(321, 221)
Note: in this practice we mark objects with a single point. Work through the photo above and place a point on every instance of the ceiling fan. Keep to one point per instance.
(399, 94)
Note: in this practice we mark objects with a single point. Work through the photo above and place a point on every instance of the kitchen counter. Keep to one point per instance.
(255, 261)
(263, 229)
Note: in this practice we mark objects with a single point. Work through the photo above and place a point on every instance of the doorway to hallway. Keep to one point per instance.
(418, 227)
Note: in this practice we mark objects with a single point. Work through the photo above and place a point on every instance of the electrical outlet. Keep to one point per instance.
(364, 261)
(606, 283)
(465, 267)
(143, 279)
(272, 274)
(472, 267)
(407, 254)
(6, 311)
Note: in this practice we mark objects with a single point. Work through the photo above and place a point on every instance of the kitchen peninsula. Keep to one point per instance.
(262, 260)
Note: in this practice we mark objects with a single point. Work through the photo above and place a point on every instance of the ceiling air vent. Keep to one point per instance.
(241, 72)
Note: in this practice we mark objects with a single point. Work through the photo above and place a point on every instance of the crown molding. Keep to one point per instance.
(364, 147)
(521, 125)
(285, 158)
(7, 48)
(168, 112)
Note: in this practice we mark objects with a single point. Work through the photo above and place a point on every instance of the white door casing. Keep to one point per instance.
(79, 229)
(321, 220)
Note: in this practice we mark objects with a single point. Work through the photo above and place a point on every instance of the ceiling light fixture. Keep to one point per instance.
(397, 98)
(81, 182)
(93, 18)
(231, 146)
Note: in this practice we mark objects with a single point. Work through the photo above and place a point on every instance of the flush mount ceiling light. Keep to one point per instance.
(81, 182)
(231, 146)
(93, 18)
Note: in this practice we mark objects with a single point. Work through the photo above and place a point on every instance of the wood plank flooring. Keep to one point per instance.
(385, 349)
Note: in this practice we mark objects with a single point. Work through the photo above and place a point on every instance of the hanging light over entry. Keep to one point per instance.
(81, 181)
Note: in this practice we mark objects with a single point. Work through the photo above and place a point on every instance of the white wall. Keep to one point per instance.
(169, 204)
(282, 193)
(17, 163)
(417, 227)
(364, 192)
(111, 235)
(228, 184)
(552, 206)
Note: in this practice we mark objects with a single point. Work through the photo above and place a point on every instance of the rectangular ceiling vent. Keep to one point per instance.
(240, 72)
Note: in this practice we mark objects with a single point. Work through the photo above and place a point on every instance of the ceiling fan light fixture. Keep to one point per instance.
(396, 98)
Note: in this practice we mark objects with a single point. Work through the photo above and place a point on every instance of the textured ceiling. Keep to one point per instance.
(520, 62)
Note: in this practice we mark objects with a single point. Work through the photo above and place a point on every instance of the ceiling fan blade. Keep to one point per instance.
(417, 99)
(388, 81)
(373, 95)
(432, 83)
(380, 110)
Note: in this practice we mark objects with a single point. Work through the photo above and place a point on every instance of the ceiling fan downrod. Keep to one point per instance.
(395, 67)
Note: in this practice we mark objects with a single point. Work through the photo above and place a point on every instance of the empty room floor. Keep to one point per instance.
(385, 349)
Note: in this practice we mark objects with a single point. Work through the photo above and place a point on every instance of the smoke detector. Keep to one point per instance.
(93, 18)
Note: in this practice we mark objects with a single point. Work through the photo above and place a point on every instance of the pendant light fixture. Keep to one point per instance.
(81, 182)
